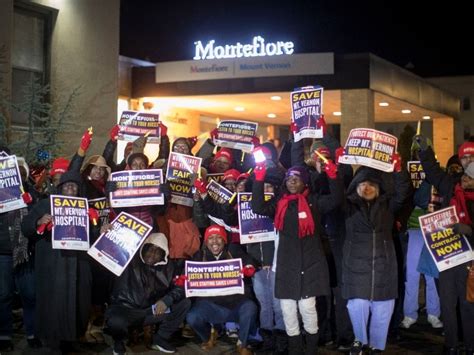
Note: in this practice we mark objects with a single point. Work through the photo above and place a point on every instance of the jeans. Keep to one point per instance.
(307, 308)
(118, 318)
(270, 309)
(359, 310)
(21, 279)
(205, 312)
(410, 305)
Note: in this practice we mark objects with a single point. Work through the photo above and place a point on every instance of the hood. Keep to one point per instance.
(159, 240)
(22, 162)
(74, 177)
(365, 173)
(97, 160)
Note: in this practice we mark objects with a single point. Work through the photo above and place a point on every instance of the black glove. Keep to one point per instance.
(165, 189)
(420, 141)
(110, 186)
(461, 228)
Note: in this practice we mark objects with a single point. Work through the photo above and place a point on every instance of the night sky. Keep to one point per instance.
(434, 38)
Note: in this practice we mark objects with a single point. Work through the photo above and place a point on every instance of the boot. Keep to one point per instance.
(295, 345)
(208, 345)
(267, 337)
(311, 344)
(280, 341)
(243, 350)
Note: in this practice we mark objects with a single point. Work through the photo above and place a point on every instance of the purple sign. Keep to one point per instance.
(10, 185)
(70, 222)
(178, 174)
(236, 134)
(254, 228)
(137, 124)
(306, 110)
(218, 192)
(116, 248)
(214, 278)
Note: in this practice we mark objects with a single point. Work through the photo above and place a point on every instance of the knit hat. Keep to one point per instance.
(453, 160)
(190, 142)
(70, 176)
(231, 173)
(470, 170)
(298, 171)
(60, 166)
(243, 176)
(224, 153)
(136, 155)
(467, 148)
(213, 230)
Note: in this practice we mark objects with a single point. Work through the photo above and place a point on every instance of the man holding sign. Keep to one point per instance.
(220, 309)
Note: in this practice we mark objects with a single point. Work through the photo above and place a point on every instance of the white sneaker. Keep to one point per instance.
(407, 322)
(434, 321)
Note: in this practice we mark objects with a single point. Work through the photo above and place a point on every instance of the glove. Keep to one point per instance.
(40, 229)
(321, 123)
(200, 186)
(331, 169)
(397, 162)
(26, 196)
(93, 215)
(420, 141)
(293, 127)
(461, 228)
(49, 226)
(86, 140)
(180, 280)
(248, 270)
(113, 134)
(214, 134)
(339, 153)
(110, 186)
(255, 141)
(260, 172)
(163, 130)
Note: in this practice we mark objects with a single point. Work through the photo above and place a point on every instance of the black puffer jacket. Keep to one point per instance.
(141, 285)
(302, 269)
(369, 260)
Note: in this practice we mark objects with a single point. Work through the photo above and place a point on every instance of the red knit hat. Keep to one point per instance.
(467, 148)
(224, 153)
(60, 166)
(231, 173)
(213, 230)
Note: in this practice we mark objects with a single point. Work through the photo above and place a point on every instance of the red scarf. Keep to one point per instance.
(99, 185)
(305, 217)
(459, 201)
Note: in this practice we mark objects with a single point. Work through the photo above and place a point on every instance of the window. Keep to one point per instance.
(466, 103)
(30, 51)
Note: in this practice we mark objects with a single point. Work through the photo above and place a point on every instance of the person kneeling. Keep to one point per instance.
(145, 294)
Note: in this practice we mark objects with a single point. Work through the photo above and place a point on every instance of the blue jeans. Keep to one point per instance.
(412, 284)
(23, 279)
(204, 313)
(359, 310)
(271, 316)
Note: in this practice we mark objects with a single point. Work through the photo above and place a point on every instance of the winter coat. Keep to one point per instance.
(140, 286)
(231, 251)
(301, 266)
(369, 269)
(63, 283)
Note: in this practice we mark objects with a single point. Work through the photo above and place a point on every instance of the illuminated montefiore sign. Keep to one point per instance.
(258, 48)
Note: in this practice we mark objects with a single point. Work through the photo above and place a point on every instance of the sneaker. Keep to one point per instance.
(232, 333)
(407, 322)
(356, 348)
(162, 345)
(187, 332)
(434, 321)
(119, 348)
(34, 343)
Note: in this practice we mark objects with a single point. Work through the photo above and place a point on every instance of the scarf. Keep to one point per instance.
(99, 185)
(305, 217)
(459, 201)
(19, 242)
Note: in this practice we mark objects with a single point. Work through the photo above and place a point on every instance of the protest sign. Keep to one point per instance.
(137, 124)
(10, 185)
(178, 174)
(70, 222)
(116, 248)
(306, 110)
(103, 209)
(137, 188)
(447, 248)
(417, 175)
(369, 147)
(217, 177)
(254, 228)
(218, 192)
(236, 134)
(221, 222)
(214, 278)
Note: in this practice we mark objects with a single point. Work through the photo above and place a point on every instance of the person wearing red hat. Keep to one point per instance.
(59, 167)
(222, 161)
(220, 309)
(466, 153)
(229, 179)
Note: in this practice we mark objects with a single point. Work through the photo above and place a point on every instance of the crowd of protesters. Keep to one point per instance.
(334, 274)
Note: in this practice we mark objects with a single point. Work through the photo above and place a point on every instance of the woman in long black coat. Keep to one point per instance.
(301, 267)
(63, 277)
(369, 273)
